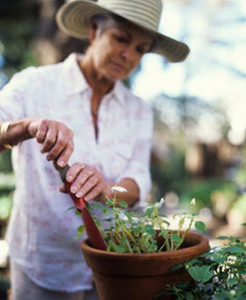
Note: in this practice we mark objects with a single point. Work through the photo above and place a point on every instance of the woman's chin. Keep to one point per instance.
(114, 77)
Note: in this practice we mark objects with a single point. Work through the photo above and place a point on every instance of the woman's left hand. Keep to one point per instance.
(87, 182)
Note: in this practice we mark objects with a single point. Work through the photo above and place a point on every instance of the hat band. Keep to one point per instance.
(150, 11)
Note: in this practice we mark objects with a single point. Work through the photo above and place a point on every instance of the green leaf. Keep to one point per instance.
(200, 226)
(149, 211)
(150, 230)
(176, 267)
(81, 229)
(163, 232)
(128, 215)
(97, 205)
(181, 223)
(109, 203)
(123, 204)
(220, 296)
(231, 282)
(242, 272)
(222, 238)
(159, 294)
(201, 274)
(220, 259)
(72, 207)
(242, 287)
(176, 238)
(119, 249)
(234, 249)
(189, 296)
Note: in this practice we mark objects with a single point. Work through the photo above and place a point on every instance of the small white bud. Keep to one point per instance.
(118, 188)
(162, 201)
(193, 202)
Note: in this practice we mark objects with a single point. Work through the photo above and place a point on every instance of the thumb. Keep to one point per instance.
(63, 189)
(32, 127)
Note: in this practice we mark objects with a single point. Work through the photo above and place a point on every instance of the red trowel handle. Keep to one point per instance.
(93, 233)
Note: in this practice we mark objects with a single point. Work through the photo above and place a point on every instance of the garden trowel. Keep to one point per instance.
(92, 231)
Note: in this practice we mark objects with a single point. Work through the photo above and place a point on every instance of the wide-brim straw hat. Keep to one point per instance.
(73, 18)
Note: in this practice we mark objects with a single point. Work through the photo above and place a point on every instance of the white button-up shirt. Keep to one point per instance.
(42, 230)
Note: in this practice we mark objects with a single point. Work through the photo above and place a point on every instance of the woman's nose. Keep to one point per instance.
(128, 54)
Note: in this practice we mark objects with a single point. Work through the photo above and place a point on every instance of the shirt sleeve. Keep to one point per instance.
(14, 95)
(138, 167)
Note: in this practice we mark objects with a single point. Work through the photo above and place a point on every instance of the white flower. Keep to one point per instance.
(193, 202)
(123, 217)
(135, 220)
(162, 201)
(159, 204)
(118, 188)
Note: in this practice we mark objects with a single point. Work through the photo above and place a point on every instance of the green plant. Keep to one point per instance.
(5, 206)
(148, 232)
(218, 274)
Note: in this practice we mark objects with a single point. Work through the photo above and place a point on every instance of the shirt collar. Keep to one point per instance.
(117, 92)
(75, 81)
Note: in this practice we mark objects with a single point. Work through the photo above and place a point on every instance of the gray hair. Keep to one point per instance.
(104, 21)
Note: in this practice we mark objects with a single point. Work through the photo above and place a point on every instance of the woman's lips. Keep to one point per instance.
(118, 66)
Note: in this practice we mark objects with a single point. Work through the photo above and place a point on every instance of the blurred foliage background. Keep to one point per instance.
(199, 138)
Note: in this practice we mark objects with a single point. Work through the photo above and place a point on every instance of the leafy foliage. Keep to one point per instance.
(218, 274)
(148, 232)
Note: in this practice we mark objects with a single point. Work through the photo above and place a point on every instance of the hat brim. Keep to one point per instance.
(73, 18)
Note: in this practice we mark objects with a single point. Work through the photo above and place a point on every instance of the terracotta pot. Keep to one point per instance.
(126, 276)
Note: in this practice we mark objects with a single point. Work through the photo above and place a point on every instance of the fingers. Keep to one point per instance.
(74, 171)
(83, 179)
(41, 132)
(65, 154)
(87, 186)
(87, 181)
(48, 138)
(56, 139)
(97, 190)
(62, 147)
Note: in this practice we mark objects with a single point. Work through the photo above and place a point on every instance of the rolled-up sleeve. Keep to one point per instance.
(138, 167)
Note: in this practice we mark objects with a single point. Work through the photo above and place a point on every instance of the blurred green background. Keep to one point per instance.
(198, 146)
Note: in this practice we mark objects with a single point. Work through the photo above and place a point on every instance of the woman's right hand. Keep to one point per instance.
(56, 139)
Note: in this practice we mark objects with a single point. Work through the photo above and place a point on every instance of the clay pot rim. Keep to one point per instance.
(202, 242)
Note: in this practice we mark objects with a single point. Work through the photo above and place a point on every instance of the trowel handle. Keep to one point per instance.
(79, 202)
(62, 171)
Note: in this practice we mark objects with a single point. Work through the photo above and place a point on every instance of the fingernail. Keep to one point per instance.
(78, 195)
(61, 163)
(73, 190)
(70, 178)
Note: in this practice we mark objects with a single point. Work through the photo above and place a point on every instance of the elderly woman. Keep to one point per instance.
(80, 112)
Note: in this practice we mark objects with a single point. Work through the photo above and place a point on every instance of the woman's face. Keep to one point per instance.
(118, 50)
